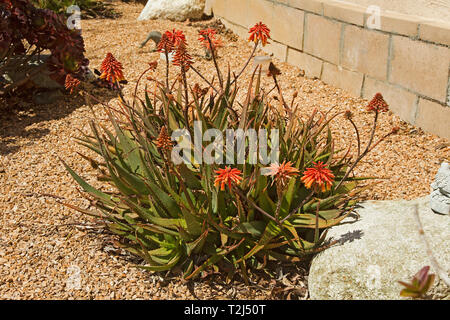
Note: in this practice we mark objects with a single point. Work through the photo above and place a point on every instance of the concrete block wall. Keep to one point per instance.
(407, 58)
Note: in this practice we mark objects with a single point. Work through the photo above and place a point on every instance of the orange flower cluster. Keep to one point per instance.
(318, 177)
(176, 40)
(281, 173)
(259, 32)
(211, 35)
(111, 69)
(182, 57)
(227, 176)
(164, 141)
(71, 83)
(378, 104)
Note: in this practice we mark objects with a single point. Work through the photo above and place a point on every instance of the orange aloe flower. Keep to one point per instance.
(227, 176)
(164, 141)
(318, 176)
(71, 83)
(182, 57)
(259, 32)
(211, 34)
(111, 69)
(170, 40)
(165, 43)
(378, 104)
(178, 37)
(281, 173)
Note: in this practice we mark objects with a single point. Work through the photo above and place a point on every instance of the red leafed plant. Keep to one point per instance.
(419, 285)
(26, 32)
(71, 83)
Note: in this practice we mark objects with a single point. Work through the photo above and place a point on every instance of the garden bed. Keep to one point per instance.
(42, 242)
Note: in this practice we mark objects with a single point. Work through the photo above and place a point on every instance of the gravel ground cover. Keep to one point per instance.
(48, 251)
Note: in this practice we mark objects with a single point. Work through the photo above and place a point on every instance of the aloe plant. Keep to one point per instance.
(189, 215)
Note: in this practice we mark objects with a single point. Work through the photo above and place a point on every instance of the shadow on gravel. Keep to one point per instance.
(22, 122)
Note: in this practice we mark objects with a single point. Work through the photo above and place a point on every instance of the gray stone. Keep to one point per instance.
(175, 10)
(439, 202)
(442, 180)
(378, 250)
(90, 76)
(440, 195)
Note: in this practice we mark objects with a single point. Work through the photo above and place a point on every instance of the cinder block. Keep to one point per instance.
(322, 38)
(260, 11)
(236, 11)
(288, 26)
(435, 31)
(315, 6)
(365, 51)
(219, 8)
(401, 101)
(240, 31)
(347, 12)
(421, 67)
(279, 50)
(342, 78)
(434, 118)
(311, 65)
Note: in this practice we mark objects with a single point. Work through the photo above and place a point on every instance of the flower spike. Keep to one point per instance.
(227, 176)
(164, 141)
(111, 69)
(211, 34)
(259, 32)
